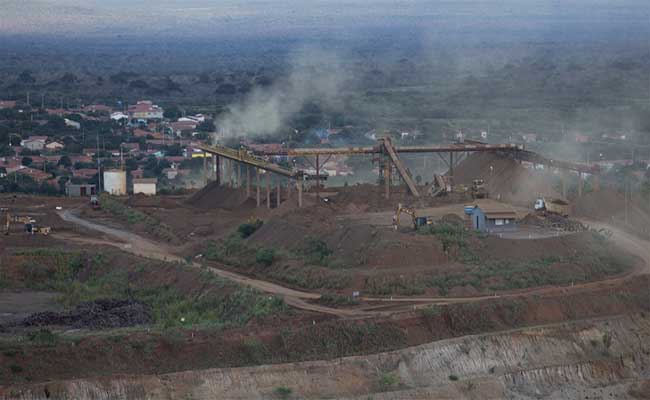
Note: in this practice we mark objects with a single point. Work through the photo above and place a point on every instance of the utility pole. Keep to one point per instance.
(28, 99)
(99, 166)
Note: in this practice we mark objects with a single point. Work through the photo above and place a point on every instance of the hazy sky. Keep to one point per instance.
(241, 17)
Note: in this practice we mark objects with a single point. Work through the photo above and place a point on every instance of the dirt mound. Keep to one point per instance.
(452, 219)
(506, 179)
(215, 195)
(98, 314)
(553, 221)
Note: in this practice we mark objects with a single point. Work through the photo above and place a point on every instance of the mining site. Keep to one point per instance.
(324, 199)
(361, 291)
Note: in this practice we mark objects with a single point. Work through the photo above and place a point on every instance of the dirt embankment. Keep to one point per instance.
(599, 358)
(610, 206)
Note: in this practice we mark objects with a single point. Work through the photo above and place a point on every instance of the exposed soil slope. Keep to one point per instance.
(505, 178)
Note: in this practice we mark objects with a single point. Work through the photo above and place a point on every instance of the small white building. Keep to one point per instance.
(72, 124)
(146, 186)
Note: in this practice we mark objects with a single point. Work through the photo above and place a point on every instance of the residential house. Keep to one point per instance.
(181, 127)
(56, 111)
(146, 186)
(119, 116)
(34, 143)
(80, 190)
(84, 173)
(137, 173)
(54, 146)
(145, 110)
(98, 108)
(36, 174)
(81, 159)
(7, 104)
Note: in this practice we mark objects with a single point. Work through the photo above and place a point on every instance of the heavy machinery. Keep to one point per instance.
(28, 222)
(544, 205)
(417, 221)
(440, 185)
(479, 191)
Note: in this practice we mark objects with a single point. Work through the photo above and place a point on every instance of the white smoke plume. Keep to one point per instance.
(314, 75)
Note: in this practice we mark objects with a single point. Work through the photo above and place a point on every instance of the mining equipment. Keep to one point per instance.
(479, 191)
(417, 221)
(557, 206)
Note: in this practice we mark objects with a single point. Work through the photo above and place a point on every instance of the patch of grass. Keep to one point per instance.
(451, 235)
(333, 299)
(152, 225)
(282, 392)
(388, 381)
(43, 337)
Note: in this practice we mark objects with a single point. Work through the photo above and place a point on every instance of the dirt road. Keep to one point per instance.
(140, 246)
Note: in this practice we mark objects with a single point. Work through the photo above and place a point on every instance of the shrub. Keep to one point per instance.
(388, 381)
(265, 256)
(316, 250)
(453, 377)
(282, 392)
(248, 228)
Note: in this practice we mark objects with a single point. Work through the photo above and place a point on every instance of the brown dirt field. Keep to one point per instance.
(155, 353)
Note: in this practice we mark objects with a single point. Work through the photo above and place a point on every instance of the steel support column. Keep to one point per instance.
(268, 190)
(248, 181)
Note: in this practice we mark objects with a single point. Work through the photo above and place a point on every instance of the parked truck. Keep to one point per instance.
(552, 205)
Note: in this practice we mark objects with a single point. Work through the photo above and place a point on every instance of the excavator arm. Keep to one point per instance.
(402, 209)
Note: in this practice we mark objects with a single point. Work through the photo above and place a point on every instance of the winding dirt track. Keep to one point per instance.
(140, 246)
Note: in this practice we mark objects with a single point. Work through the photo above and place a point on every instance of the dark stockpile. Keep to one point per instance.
(98, 314)
(217, 196)
(554, 221)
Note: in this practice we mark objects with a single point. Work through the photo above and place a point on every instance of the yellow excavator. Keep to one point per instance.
(30, 224)
(417, 221)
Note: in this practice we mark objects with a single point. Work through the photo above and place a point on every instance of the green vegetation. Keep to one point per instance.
(151, 225)
(452, 236)
(316, 251)
(388, 381)
(43, 337)
(248, 228)
(453, 377)
(282, 392)
(80, 278)
(265, 256)
(235, 251)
